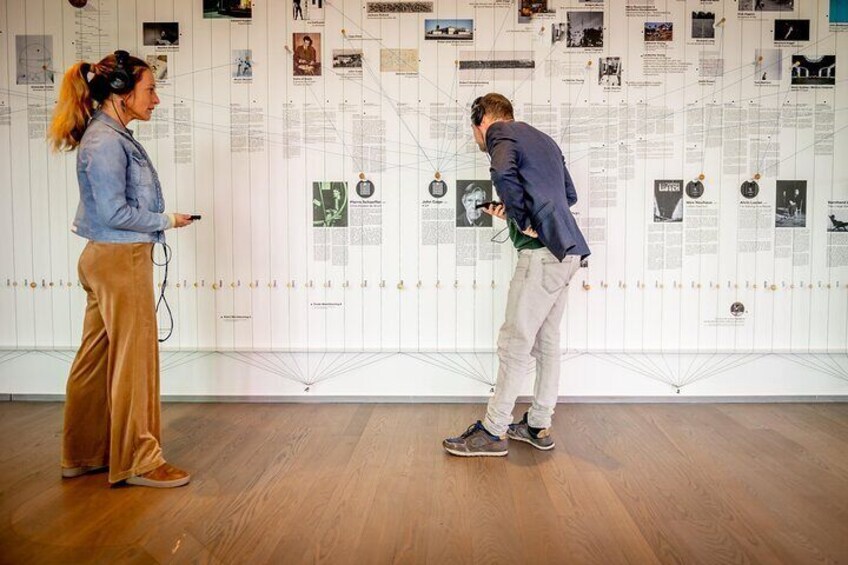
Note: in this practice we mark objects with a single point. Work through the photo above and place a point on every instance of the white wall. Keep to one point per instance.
(651, 314)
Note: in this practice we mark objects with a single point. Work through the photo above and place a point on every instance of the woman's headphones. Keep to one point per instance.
(120, 79)
(477, 111)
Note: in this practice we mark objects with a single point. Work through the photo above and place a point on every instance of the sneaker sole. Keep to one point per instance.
(142, 482)
(529, 442)
(476, 453)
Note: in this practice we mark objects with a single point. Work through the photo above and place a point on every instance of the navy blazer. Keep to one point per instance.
(531, 179)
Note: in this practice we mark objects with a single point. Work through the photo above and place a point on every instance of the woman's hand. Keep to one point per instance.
(530, 232)
(182, 220)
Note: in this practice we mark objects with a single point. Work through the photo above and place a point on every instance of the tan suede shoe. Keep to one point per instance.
(163, 476)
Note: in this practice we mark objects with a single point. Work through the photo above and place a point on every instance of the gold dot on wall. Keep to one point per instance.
(757, 176)
(702, 176)
(438, 175)
(361, 176)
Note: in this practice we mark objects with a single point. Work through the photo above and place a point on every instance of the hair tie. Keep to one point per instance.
(87, 70)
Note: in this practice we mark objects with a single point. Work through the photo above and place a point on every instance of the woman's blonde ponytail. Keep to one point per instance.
(73, 110)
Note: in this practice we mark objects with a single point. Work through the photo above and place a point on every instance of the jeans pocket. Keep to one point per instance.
(554, 275)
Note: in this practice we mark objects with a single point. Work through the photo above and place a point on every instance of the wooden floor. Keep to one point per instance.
(370, 484)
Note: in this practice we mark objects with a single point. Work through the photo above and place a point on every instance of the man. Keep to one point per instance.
(471, 216)
(532, 181)
(305, 58)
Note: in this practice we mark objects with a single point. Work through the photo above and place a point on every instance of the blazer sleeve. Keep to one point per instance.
(570, 191)
(505, 176)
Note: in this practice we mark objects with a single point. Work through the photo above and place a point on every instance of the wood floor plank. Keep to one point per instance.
(371, 484)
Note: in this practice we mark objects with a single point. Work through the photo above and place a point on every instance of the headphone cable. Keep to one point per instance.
(162, 300)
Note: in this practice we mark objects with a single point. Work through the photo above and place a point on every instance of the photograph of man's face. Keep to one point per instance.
(470, 202)
(470, 194)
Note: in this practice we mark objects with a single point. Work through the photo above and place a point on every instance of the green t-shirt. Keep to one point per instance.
(520, 240)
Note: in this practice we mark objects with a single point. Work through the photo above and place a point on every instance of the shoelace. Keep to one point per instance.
(472, 428)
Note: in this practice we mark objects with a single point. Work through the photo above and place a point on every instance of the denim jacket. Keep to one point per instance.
(120, 196)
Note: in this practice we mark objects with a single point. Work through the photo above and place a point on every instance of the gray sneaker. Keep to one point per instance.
(476, 442)
(522, 432)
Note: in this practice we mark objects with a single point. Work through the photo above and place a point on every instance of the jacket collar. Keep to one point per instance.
(105, 118)
(494, 132)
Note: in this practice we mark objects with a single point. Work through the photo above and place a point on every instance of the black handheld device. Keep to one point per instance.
(487, 204)
(194, 217)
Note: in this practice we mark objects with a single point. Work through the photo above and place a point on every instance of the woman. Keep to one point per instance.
(112, 406)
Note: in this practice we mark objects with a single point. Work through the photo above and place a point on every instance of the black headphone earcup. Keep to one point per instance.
(120, 81)
(477, 112)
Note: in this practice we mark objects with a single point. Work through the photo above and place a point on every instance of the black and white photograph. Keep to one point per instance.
(34, 58)
(694, 189)
(837, 217)
(584, 29)
(749, 189)
(242, 63)
(307, 54)
(703, 25)
(609, 71)
(399, 7)
(791, 204)
(347, 58)
(365, 188)
(659, 31)
(308, 10)
(227, 9)
(160, 33)
(470, 193)
(438, 188)
(491, 65)
(768, 65)
(558, 32)
(819, 71)
(766, 5)
(668, 201)
(791, 30)
(528, 9)
(329, 204)
(449, 30)
(158, 65)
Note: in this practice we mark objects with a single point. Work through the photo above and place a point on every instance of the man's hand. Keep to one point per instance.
(530, 232)
(496, 211)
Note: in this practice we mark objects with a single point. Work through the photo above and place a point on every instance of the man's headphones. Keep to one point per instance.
(120, 80)
(477, 111)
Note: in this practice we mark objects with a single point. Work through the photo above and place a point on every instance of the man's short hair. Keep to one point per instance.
(496, 106)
